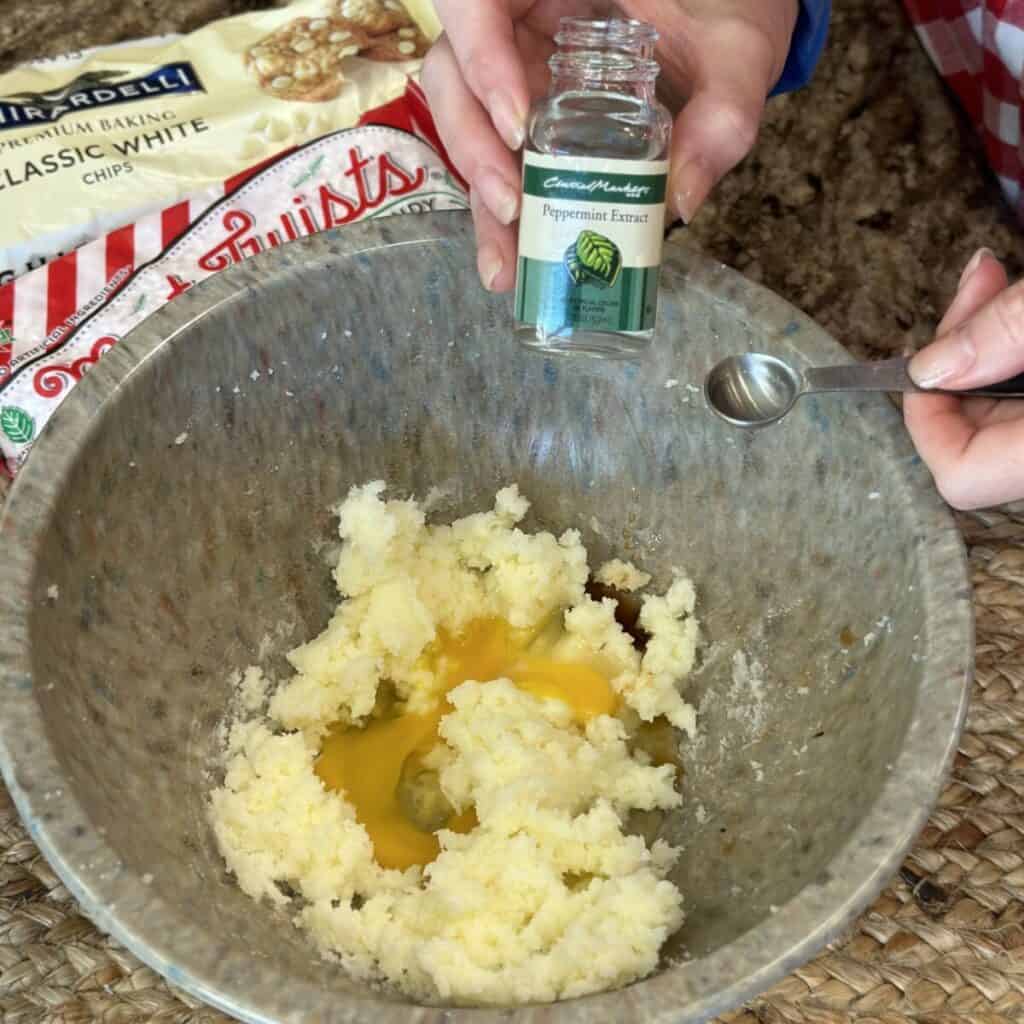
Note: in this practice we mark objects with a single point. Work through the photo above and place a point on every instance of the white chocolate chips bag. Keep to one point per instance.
(57, 321)
(92, 141)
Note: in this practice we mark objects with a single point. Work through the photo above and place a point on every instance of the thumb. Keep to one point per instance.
(728, 84)
(986, 348)
(713, 133)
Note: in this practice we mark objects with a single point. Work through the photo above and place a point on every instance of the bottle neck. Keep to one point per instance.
(566, 82)
(593, 71)
(622, 36)
(614, 56)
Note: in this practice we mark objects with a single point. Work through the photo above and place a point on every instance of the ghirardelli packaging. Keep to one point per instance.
(95, 140)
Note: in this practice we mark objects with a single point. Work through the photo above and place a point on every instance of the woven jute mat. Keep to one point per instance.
(943, 943)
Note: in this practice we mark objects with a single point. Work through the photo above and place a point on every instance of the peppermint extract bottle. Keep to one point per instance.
(595, 168)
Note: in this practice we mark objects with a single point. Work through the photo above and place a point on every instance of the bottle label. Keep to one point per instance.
(590, 235)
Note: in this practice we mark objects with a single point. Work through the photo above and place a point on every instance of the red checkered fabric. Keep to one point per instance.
(978, 47)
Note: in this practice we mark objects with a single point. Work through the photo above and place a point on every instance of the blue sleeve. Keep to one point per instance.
(806, 47)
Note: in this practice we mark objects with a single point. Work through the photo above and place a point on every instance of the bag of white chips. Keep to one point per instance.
(57, 321)
(92, 141)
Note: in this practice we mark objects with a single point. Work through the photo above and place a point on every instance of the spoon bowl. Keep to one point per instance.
(752, 390)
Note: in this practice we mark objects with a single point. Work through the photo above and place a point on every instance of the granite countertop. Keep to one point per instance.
(867, 193)
(862, 202)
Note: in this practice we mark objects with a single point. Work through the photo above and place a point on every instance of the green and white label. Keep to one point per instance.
(590, 236)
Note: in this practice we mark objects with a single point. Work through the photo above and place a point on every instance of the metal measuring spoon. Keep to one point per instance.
(754, 389)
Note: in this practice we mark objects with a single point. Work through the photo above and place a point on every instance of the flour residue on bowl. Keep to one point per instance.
(440, 792)
(746, 697)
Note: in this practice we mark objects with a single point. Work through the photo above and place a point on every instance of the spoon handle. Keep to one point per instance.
(885, 375)
(891, 375)
(1012, 388)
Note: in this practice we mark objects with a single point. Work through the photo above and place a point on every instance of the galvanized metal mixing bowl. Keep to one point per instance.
(172, 514)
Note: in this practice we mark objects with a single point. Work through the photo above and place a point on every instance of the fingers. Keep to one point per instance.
(959, 440)
(482, 38)
(470, 138)
(971, 469)
(981, 281)
(496, 247)
(985, 347)
(476, 149)
(983, 412)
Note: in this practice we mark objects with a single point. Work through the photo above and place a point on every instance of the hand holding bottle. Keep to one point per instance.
(720, 59)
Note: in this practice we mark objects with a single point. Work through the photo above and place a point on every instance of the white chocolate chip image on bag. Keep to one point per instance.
(302, 60)
(377, 17)
(403, 44)
(270, 133)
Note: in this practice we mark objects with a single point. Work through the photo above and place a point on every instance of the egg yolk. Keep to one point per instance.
(380, 767)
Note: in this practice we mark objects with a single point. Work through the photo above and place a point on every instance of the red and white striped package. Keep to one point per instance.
(57, 321)
(978, 48)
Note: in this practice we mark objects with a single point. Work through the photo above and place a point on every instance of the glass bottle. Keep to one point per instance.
(595, 166)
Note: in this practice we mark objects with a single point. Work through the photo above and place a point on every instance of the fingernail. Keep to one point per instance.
(973, 265)
(942, 361)
(489, 264)
(691, 185)
(510, 122)
(498, 195)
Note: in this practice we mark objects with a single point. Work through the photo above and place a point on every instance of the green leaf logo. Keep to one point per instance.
(593, 259)
(573, 265)
(17, 424)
